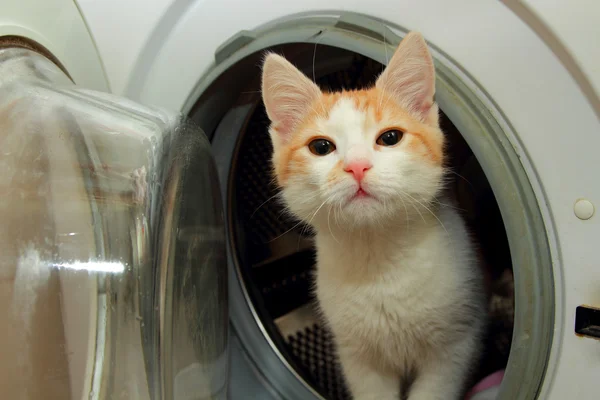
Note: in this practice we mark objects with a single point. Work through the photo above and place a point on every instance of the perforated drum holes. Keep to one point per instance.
(315, 349)
(587, 322)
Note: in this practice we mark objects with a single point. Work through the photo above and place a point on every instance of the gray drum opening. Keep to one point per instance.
(227, 96)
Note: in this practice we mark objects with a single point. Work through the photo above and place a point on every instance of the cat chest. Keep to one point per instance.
(386, 330)
(387, 317)
(378, 312)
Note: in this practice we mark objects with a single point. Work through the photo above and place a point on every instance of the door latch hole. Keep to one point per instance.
(587, 322)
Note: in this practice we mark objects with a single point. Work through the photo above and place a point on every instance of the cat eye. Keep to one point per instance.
(321, 147)
(389, 138)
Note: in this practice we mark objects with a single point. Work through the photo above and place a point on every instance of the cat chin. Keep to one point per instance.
(358, 214)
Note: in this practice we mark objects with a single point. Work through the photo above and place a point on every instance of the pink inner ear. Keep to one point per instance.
(287, 93)
(410, 76)
(284, 128)
(422, 86)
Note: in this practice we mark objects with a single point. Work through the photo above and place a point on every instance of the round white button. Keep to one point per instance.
(584, 209)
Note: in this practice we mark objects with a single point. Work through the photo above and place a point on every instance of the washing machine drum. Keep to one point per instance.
(273, 254)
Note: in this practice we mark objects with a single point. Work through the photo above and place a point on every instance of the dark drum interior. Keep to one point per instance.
(276, 257)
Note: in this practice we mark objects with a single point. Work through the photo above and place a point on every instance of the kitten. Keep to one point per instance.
(397, 278)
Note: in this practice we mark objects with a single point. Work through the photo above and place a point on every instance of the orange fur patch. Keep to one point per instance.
(428, 145)
(335, 171)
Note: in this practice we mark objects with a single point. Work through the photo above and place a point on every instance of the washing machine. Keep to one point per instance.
(143, 255)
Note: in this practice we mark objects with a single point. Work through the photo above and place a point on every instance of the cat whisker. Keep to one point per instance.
(460, 176)
(301, 235)
(329, 226)
(387, 59)
(322, 34)
(307, 225)
(299, 223)
(412, 203)
(315, 213)
(436, 201)
(406, 213)
(286, 232)
(335, 213)
(431, 212)
(259, 207)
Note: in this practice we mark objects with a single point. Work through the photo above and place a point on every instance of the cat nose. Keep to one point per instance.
(358, 168)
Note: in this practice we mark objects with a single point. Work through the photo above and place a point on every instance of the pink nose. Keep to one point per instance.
(358, 168)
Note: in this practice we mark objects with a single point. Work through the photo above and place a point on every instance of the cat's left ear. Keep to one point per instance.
(287, 93)
(410, 78)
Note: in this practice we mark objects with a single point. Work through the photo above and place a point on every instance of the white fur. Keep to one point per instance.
(402, 304)
(397, 280)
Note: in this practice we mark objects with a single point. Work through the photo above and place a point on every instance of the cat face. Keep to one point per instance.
(361, 157)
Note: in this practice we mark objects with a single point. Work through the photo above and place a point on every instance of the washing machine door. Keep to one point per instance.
(112, 253)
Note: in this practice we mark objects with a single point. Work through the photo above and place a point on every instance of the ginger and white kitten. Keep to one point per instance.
(397, 278)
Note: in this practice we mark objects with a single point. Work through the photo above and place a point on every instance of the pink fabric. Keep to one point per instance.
(489, 381)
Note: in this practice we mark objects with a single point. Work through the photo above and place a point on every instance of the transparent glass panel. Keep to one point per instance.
(113, 277)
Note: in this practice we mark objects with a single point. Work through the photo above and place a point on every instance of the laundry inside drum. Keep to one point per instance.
(275, 254)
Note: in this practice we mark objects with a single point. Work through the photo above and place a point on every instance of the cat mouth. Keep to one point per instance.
(361, 193)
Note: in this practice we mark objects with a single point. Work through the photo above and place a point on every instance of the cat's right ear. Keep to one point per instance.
(287, 93)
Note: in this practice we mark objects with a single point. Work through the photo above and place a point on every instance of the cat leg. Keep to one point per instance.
(366, 382)
(443, 377)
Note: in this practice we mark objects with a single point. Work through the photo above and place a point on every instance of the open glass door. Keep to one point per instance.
(112, 246)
